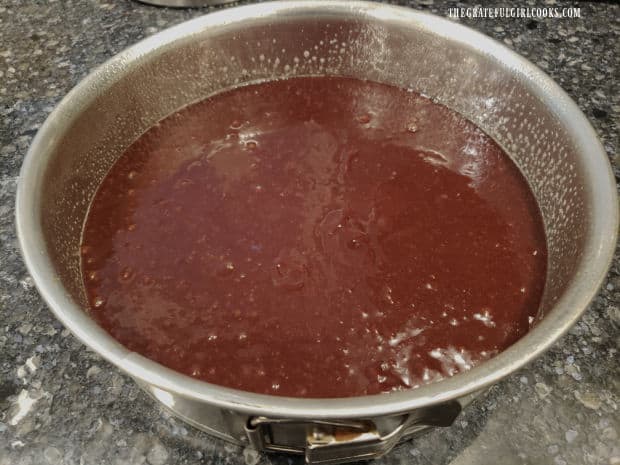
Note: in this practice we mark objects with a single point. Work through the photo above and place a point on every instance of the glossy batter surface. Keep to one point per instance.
(315, 237)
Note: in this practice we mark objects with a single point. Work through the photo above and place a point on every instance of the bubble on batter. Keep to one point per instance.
(364, 119)
(126, 274)
(485, 317)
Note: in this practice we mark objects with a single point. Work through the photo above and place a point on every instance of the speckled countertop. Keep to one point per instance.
(60, 403)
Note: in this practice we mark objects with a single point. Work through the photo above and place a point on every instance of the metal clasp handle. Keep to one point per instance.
(331, 445)
(321, 441)
(337, 441)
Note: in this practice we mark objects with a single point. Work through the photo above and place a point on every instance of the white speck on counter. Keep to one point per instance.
(542, 390)
(251, 456)
(588, 399)
(158, 455)
(52, 455)
(93, 371)
(571, 435)
(24, 404)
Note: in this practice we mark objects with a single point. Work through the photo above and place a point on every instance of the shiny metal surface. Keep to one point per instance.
(523, 109)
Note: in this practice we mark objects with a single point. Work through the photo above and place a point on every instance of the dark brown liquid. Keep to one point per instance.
(315, 237)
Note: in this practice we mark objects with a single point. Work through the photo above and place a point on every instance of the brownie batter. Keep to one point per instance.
(315, 237)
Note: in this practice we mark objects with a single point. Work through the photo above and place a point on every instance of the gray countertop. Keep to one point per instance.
(60, 403)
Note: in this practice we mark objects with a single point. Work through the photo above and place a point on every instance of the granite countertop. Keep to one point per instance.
(60, 403)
